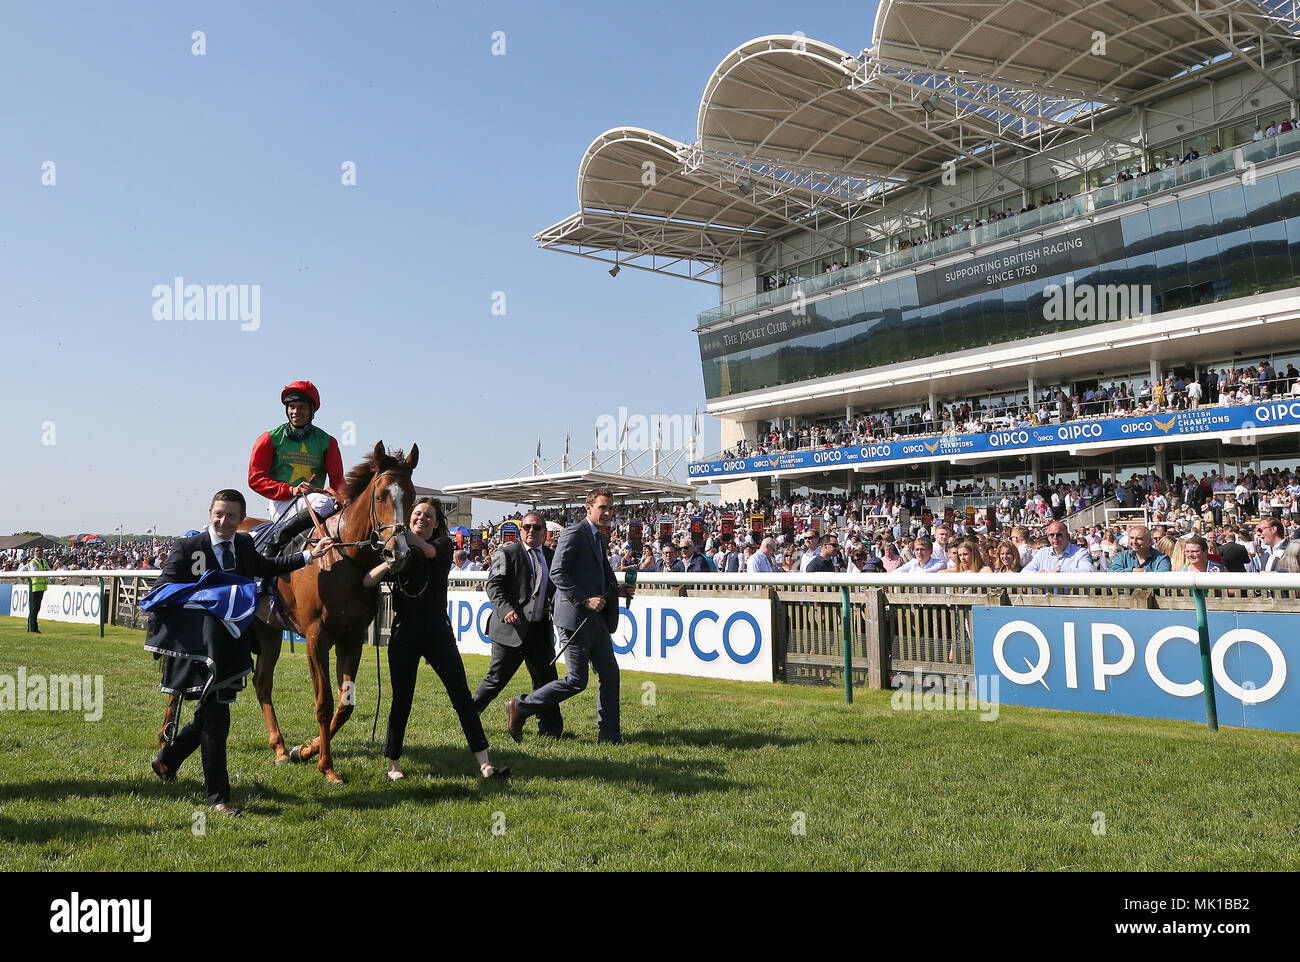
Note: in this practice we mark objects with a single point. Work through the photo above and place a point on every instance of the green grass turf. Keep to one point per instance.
(711, 778)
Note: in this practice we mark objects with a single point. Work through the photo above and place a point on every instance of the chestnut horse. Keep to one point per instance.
(328, 602)
(330, 605)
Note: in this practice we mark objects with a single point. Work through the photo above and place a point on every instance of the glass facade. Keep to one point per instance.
(1233, 242)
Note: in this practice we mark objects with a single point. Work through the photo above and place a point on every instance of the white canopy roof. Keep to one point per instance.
(792, 132)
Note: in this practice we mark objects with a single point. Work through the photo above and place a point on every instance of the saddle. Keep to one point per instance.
(270, 607)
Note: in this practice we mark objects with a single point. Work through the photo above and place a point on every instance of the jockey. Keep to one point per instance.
(286, 458)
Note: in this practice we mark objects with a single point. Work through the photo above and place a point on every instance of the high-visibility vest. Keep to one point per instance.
(39, 564)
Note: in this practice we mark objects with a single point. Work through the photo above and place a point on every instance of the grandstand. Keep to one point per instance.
(927, 251)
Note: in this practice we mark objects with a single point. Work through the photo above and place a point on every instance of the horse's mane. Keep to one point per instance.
(359, 478)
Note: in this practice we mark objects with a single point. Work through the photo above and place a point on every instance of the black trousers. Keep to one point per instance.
(34, 609)
(536, 652)
(208, 731)
(438, 648)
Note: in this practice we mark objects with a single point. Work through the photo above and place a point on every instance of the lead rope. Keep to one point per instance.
(379, 688)
(379, 678)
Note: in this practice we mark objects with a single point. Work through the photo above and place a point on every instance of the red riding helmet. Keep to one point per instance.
(301, 391)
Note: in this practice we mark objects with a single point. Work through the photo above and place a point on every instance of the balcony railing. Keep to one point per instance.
(1100, 198)
(991, 421)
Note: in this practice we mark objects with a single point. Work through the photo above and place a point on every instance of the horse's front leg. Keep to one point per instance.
(318, 660)
(349, 662)
(270, 642)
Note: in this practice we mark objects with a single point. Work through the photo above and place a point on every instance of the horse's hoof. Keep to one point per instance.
(295, 754)
(332, 777)
(281, 759)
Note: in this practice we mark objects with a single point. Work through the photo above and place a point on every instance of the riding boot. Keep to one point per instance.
(296, 523)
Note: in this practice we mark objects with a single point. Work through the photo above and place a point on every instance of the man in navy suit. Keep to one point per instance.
(668, 560)
(520, 587)
(690, 560)
(180, 636)
(586, 614)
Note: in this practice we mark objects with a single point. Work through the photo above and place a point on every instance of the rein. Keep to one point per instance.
(375, 539)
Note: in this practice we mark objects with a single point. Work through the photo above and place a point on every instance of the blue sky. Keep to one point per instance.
(225, 168)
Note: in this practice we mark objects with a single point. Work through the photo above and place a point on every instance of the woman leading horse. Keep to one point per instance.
(421, 629)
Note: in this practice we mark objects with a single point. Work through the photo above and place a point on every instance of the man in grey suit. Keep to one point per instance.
(520, 588)
(586, 613)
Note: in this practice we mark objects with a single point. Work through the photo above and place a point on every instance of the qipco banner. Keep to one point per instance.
(81, 604)
(1122, 662)
(1169, 427)
(702, 637)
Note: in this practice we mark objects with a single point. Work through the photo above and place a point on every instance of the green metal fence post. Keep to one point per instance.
(1207, 675)
(848, 647)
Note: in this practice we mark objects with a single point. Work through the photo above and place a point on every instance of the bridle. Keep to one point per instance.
(375, 539)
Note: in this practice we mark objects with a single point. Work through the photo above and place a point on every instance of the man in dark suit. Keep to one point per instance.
(520, 588)
(691, 561)
(668, 560)
(203, 660)
(586, 614)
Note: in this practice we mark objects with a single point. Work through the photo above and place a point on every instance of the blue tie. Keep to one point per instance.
(225, 556)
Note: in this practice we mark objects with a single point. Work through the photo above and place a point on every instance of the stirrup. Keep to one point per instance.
(290, 527)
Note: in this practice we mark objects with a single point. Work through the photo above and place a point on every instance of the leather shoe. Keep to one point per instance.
(161, 770)
(225, 808)
(514, 721)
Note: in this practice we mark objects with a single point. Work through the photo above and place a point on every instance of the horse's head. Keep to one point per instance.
(392, 496)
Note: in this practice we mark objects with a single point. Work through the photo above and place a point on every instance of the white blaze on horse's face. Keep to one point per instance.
(399, 518)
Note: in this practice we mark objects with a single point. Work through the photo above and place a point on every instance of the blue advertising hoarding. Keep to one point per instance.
(1147, 663)
(1173, 425)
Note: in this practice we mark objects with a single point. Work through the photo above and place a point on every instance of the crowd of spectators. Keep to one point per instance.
(873, 530)
(142, 553)
(1274, 128)
(1249, 384)
(1190, 520)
